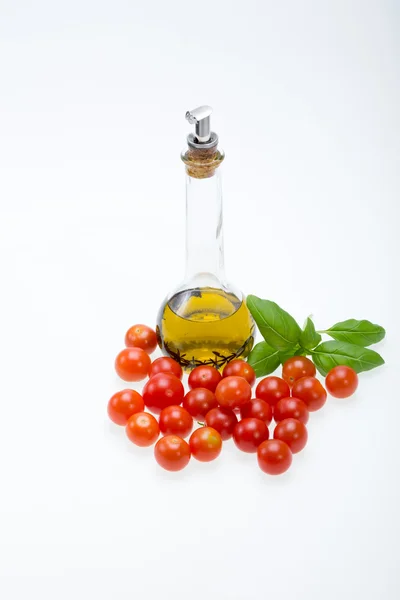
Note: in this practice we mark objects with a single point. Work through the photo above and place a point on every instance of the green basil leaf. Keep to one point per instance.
(329, 354)
(309, 338)
(277, 327)
(362, 333)
(264, 359)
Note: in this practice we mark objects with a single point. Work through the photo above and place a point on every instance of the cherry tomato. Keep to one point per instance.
(123, 405)
(141, 336)
(272, 389)
(163, 389)
(249, 433)
(205, 444)
(297, 367)
(240, 368)
(172, 453)
(341, 381)
(204, 377)
(311, 391)
(132, 364)
(258, 409)
(293, 433)
(142, 429)
(274, 457)
(233, 392)
(165, 364)
(175, 420)
(291, 408)
(223, 420)
(199, 401)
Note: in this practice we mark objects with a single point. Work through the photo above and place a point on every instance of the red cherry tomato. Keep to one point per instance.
(341, 381)
(291, 408)
(274, 457)
(132, 364)
(205, 444)
(199, 401)
(240, 368)
(165, 364)
(162, 390)
(123, 405)
(223, 420)
(257, 409)
(175, 420)
(204, 377)
(297, 367)
(311, 391)
(172, 453)
(249, 433)
(293, 433)
(141, 336)
(272, 389)
(142, 429)
(233, 392)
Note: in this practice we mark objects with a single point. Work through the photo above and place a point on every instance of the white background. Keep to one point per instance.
(92, 100)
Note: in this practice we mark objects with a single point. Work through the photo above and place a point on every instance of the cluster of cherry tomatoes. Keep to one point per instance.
(221, 403)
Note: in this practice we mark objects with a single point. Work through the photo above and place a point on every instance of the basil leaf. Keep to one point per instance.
(309, 338)
(264, 359)
(277, 327)
(362, 333)
(329, 354)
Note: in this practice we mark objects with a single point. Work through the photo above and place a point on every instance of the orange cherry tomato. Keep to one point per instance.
(233, 392)
(240, 368)
(205, 444)
(142, 429)
(172, 453)
(123, 405)
(132, 364)
(141, 336)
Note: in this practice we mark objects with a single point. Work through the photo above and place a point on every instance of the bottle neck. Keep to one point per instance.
(204, 236)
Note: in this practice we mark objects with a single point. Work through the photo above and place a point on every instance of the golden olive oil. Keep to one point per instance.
(205, 326)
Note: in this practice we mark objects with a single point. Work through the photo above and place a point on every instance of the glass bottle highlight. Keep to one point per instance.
(205, 321)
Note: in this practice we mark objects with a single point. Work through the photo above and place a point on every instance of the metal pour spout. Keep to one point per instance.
(201, 118)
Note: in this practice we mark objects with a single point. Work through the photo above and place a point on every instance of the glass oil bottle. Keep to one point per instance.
(205, 321)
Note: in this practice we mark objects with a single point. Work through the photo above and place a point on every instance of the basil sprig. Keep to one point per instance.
(284, 338)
